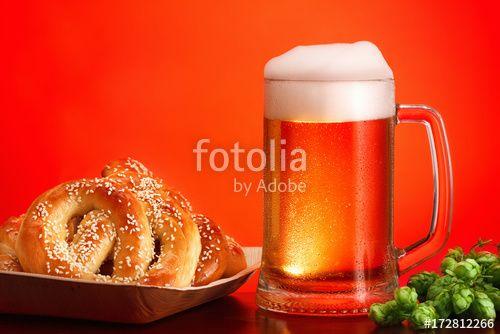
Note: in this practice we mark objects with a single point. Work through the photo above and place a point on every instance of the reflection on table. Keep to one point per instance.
(234, 314)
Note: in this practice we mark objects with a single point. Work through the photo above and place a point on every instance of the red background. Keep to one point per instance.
(87, 82)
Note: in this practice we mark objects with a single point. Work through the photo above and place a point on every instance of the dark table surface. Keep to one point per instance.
(232, 314)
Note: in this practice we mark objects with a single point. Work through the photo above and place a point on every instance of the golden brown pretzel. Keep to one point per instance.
(221, 256)
(214, 252)
(72, 229)
(42, 247)
(236, 260)
(8, 235)
(169, 215)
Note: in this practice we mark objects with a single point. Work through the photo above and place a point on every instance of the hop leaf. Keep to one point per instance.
(421, 283)
(462, 298)
(467, 270)
(482, 307)
(448, 265)
(406, 298)
(386, 314)
(423, 314)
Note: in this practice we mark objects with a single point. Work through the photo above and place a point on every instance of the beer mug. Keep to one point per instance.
(328, 250)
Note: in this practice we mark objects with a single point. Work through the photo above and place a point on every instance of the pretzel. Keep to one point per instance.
(221, 256)
(171, 222)
(8, 235)
(114, 218)
(79, 228)
(214, 253)
(236, 260)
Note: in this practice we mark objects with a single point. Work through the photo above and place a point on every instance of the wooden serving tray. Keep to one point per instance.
(24, 293)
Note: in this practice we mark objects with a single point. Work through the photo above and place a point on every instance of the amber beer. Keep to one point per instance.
(333, 236)
(348, 179)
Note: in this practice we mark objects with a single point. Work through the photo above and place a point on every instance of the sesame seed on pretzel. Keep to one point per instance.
(171, 222)
(121, 225)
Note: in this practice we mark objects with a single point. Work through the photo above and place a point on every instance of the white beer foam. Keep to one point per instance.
(339, 61)
(329, 83)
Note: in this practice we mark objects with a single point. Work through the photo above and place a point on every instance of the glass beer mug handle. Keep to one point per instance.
(425, 248)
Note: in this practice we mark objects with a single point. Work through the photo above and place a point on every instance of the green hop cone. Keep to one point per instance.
(443, 304)
(423, 314)
(462, 297)
(421, 283)
(473, 253)
(494, 294)
(444, 282)
(482, 307)
(448, 265)
(492, 275)
(386, 314)
(456, 253)
(467, 270)
(486, 259)
(406, 298)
